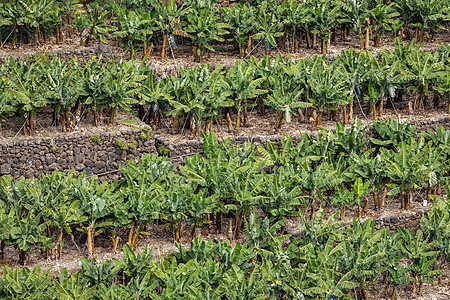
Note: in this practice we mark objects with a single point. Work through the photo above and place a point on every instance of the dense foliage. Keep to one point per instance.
(326, 262)
(205, 95)
(337, 170)
(204, 22)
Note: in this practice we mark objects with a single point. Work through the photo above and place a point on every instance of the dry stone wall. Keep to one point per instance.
(93, 154)
(102, 154)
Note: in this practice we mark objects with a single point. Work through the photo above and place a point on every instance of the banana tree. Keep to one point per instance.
(26, 231)
(204, 26)
(383, 18)
(175, 206)
(168, 21)
(240, 19)
(246, 191)
(96, 20)
(324, 14)
(96, 203)
(421, 255)
(121, 85)
(28, 88)
(361, 254)
(134, 26)
(406, 168)
(367, 167)
(62, 80)
(355, 68)
(326, 90)
(424, 68)
(244, 87)
(90, 88)
(267, 26)
(430, 14)
(286, 199)
(284, 99)
(356, 14)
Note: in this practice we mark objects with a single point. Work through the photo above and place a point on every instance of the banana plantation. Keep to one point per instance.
(203, 97)
(341, 171)
(334, 186)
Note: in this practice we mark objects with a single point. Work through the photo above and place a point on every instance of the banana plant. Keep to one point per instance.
(202, 206)
(62, 80)
(267, 26)
(135, 26)
(204, 26)
(392, 132)
(323, 275)
(134, 265)
(96, 202)
(355, 68)
(356, 13)
(26, 284)
(260, 235)
(168, 21)
(121, 85)
(326, 90)
(368, 167)
(286, 199)
(429, 13)
(26, 231)
(421, 255)
(244, 87)
(284, 99)
(424, 68)
(406, 168)
(96, 21)
(325, 14)
(436, 225)
(95, 274)
(240, 19)
(90, 88)
(383, 17)
(73, 287)
(246, 191)
(237, 286)
(29, 90)
(361, 254)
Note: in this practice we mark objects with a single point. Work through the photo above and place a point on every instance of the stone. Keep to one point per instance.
(50, 158)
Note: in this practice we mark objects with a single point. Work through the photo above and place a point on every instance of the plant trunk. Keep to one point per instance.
(112, 117)
(383, 199)
(90, 241)
(230, 123)
(342, 212)
(324, 47)
(245, 115)
(238, 224)
(375, 199)
(278, 120)
(208, 125)
(350, 111)
(380, 112)
(175, 123)
(130, 234)
(366, 42)
(375, 110)
(241, 51)
(393, 296)
(314, 42)
(115, 243)
(319, 118)
(238, 120)
(163, 50)
(249, 44)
